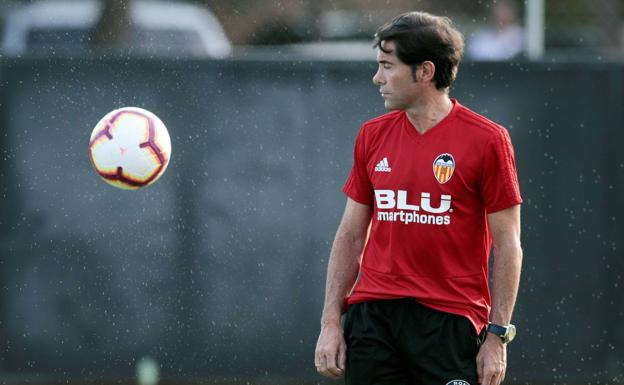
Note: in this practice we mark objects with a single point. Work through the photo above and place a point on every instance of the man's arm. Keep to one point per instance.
(505, 230)
(342, 270)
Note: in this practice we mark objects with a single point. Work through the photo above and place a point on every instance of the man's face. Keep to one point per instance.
(395, 80)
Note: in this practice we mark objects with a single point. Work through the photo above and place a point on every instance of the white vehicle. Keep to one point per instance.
(158, 28)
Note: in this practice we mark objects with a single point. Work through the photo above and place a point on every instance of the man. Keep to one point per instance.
(503, 39)
(432, 188)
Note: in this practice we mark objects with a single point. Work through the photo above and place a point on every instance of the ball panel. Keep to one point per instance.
(161, 140)
(130, 127)
(137, 165)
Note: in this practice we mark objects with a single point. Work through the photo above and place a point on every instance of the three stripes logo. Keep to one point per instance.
(383, 166)
(443, 167)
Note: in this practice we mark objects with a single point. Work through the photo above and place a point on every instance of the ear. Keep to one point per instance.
(427, 71)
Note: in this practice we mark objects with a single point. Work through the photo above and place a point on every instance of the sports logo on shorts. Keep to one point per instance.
(457, 382)
(443, 167)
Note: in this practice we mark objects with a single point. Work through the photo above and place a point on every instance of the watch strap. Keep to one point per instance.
(497, 329)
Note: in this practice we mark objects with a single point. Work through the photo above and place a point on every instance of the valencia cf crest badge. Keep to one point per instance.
(443, 167)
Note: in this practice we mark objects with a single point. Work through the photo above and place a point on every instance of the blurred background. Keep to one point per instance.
(215, 274)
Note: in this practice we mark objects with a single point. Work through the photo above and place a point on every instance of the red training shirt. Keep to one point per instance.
(431, 193)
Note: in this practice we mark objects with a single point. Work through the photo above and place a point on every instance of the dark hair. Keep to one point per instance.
(420, 36)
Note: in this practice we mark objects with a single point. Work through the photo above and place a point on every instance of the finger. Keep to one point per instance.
(501, 375)
(497, 374)
(325, 368)
(321, 365)
(334, 372)
(488, 376)
(498, 378)
(332, 365)
(480, 370)
(318, 361)
(494, 380)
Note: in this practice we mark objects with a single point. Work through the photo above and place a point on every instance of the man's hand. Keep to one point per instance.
(492, 361)
(342, 269)
(331, 351)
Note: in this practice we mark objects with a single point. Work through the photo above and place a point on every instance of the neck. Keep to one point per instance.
(430, 112)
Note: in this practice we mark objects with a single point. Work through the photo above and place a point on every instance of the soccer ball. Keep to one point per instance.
(130, 148)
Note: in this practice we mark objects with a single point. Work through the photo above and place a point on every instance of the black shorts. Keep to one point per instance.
(401, 342)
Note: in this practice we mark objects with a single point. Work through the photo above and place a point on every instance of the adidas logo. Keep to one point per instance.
(383, 166)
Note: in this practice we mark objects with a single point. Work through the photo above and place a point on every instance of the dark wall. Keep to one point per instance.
(219, 268)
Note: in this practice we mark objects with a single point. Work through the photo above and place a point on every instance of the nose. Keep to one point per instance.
(378, 79)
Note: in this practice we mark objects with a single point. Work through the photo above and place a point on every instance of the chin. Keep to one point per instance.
(391, 107)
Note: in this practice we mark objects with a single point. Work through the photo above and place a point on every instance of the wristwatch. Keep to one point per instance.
(506, 333)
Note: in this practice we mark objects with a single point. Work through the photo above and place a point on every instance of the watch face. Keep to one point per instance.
(511, 333)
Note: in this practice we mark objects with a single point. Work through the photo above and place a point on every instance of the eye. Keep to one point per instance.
(387, 66)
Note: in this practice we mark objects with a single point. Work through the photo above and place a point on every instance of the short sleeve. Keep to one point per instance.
(358, 185)
(499, 180)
